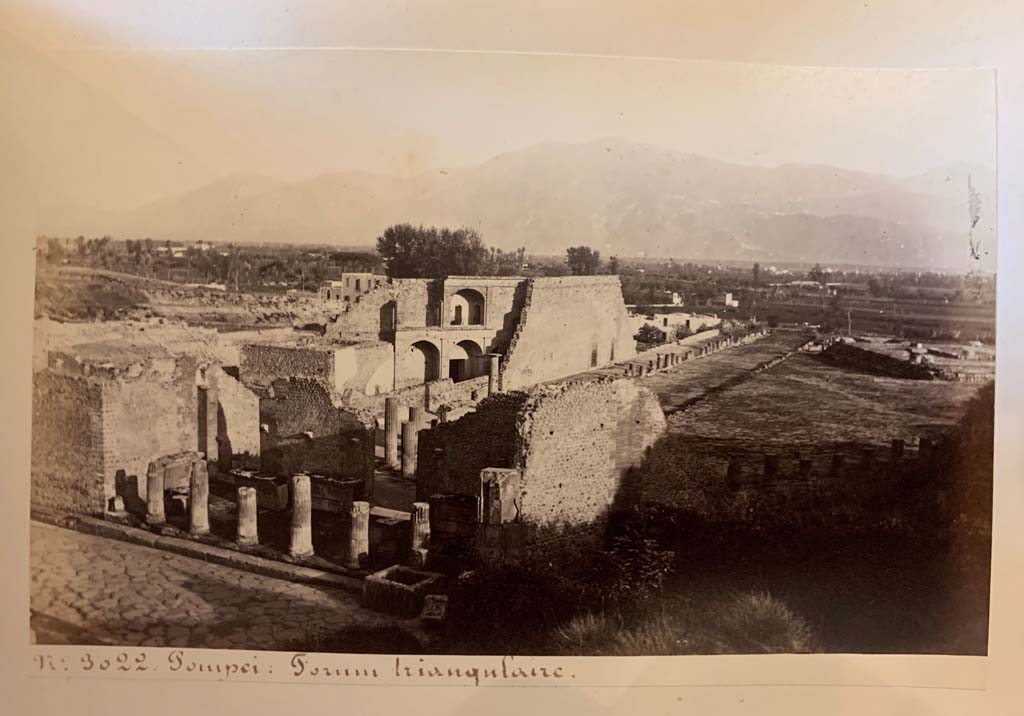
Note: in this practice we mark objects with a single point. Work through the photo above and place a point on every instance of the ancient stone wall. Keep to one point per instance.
(308, 432)
(67, 439)
(238, 417)
(153, 414)
(574, 445)
(370, 315)
(451, 455)
(717, 481)
(261, 364)
(568, 325)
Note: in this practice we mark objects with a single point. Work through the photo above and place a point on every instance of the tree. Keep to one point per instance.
(583, 260)
(816, 274)
(650, 334)
(613, 265)
(757, 273)
(429, 252)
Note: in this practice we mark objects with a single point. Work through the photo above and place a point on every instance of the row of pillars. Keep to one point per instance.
(896, 453)
(301, 534)
(409, 431)
(301, 542)
(668, 359)
(394, 427)
(198, 497)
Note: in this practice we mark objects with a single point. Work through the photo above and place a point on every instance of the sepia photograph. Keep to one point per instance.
(426, 352)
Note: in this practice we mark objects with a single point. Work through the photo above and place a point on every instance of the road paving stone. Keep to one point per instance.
(93, 590)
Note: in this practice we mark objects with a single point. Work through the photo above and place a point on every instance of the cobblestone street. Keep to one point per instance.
(93, 590)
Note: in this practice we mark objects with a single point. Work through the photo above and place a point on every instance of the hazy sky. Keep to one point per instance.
(295, 113)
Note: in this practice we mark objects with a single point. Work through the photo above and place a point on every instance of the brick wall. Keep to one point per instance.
(365, 317)
(337, 440)
(575, 443)
(579, 441)
(261, 364)
(564, 320)
(151, 415)
(67, 439)
(451, 455)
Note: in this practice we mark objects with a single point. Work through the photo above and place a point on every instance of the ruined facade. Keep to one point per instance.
(102, 413)
(533, 330)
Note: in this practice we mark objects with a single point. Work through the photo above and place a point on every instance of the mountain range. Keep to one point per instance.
(622, 197)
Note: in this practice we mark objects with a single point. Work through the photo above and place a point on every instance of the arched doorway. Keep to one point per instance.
(466, 308)
(464, 361)
(430, 356)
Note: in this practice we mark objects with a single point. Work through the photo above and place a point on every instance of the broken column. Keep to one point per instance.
(410, 438)
(493, 368)
(301, 544)
(199, 499)
(359, 535)
(247, 533)
(420, 533)
(155, 495)
(391, 427)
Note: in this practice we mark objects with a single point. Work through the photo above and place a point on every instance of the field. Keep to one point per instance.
(694, 378)
(75, 294)
(804, 401)
(909, 318)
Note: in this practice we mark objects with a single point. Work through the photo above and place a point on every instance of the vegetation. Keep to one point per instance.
(428, 252)
(259, 268)
(583, 260)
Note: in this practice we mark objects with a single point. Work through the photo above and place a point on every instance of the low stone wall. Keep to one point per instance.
(788, 486)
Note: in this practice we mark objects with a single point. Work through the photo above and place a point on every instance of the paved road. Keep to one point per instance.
(93, 590)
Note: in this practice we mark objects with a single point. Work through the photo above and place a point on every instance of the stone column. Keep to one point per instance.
(805, 468)
(247, 532)
(897, 450)
(359, 535)
(417, 416)
(155, 495)
(391, 427)
(410, 440)
(199, 499)
(420, 533)
(302, 518)
(493, 368)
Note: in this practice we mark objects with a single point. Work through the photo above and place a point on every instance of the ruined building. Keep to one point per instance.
(103, 411)
(436, 342)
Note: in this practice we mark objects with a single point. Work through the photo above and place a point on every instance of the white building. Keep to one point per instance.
(350, 286)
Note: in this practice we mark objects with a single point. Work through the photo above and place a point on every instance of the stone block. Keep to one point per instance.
(399, 590)
(499, 493)
(435, 609)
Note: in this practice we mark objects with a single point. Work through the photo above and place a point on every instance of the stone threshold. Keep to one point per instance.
(203, 550)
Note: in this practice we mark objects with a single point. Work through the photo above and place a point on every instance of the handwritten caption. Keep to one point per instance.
(302, 666)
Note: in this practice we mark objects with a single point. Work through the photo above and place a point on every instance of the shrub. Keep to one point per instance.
(757, 622)
(482, 605)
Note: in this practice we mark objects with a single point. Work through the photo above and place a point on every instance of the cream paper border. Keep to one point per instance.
(833, 684)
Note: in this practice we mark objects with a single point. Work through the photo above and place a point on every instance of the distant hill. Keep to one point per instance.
(621, 197)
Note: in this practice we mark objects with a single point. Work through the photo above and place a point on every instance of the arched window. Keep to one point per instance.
(467, 308)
